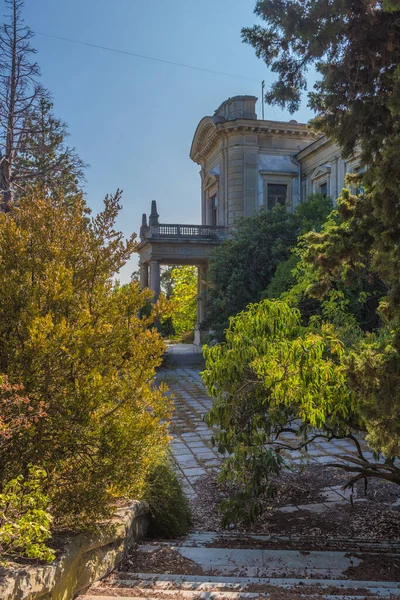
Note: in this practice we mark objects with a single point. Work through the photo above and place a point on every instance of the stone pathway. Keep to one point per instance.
(191, 443)
(234, 565)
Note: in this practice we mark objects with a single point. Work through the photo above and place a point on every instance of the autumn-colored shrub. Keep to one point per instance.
(83, 354)
(16, 411)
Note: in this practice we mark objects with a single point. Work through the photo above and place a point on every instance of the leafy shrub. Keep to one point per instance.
(168, 504)
(79, 347)
(242, 267)
(274, 375)
(25, 520)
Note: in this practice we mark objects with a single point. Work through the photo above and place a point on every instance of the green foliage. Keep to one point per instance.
(310, 216)
(347, 278)
(374, 373)
(321, 270)
(274, 375)
(283, 279)
(25, 520)
(355, 49)
(183, 300)
(242, 267)
(43, 159)
(78, 345)
(169, 506)
(257, 260)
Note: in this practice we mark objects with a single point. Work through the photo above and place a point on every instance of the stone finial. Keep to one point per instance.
(153, 219)
(144, 227)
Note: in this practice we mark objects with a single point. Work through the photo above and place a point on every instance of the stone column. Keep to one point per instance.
(235, 194)
(155, 278)
(144, 276)
(250, 182)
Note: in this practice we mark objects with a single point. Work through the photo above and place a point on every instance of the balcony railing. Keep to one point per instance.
(197, 232)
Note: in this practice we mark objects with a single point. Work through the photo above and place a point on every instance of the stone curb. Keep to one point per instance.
(86, 558)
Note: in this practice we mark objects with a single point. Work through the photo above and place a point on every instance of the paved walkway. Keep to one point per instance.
(191, 443)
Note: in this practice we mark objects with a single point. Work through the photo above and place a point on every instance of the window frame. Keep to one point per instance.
(270, 185)
(279, 178)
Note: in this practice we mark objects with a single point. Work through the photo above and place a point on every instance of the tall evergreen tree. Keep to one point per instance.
(355, 47)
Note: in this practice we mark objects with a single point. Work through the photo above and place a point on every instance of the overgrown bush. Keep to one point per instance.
(169, 506)
(257, 260)
(78, 346)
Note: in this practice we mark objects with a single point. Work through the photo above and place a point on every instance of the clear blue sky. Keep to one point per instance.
(133, 120)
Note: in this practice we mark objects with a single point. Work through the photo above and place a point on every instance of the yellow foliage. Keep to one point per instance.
(78, 344)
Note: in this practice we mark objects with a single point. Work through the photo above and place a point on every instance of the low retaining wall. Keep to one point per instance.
(87, 557)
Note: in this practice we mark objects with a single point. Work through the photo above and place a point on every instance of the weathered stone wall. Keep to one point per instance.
(87, 557)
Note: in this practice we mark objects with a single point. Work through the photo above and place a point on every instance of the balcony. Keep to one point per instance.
(183, 232)
(174, 244)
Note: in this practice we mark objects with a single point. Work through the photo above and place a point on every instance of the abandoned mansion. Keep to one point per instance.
(245, 163)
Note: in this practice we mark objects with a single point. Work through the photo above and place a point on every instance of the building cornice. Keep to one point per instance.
(211, 129)
(313, 146)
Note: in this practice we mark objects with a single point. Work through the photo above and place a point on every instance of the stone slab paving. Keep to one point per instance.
(191, 443)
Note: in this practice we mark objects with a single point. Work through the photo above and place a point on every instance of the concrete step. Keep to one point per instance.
(266, 563)
(242, 540)
(203, 583)
(218, 595)
(178, 594)
(235, 573)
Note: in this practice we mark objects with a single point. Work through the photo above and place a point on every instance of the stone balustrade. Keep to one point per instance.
(177, 231)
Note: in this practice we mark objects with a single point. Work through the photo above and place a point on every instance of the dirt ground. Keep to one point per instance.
(372, 516)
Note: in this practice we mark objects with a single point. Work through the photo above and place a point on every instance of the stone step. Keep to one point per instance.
(177, 594)
(202, 583)
(219, 595)
(205, 539)
(266, 563)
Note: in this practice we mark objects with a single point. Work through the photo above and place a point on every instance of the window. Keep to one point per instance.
(276, 194)
(278, 188)
(323, 189)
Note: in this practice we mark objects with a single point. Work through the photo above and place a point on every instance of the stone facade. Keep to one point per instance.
(247, 163)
